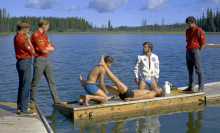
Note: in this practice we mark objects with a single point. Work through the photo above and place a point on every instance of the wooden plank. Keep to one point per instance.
(10, 121)
(212, 46)
(211, 90)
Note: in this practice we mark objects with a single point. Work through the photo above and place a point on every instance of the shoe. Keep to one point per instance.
(19, 111)
(32, 106)
(27, 113)
(200, 90)
(62, 103)
(189, 89)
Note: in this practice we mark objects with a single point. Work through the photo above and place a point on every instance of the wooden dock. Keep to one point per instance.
(11, 122)
(212, 45)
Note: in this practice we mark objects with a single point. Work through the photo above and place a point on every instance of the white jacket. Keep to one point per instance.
(142, 67)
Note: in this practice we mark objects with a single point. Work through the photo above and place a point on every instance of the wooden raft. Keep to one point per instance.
(118, 106)
(114, 106)
(11, 122)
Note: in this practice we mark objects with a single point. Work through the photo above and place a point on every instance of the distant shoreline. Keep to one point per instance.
(109, 32)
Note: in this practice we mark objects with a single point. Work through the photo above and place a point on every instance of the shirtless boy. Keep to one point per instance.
(122, 90)
(96, 94)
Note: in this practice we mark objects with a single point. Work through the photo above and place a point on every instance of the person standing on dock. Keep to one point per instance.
(195, 39)
(42, 65)
(23, 52)
(147, 66)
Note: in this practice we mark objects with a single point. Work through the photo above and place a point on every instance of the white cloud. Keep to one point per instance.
(74, 8)
(47, 4)
(32, 4)
(102, 6)
(154, 4)
(216, 3)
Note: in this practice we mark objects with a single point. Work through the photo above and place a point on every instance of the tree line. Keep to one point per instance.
(69, 24)
(209, 23)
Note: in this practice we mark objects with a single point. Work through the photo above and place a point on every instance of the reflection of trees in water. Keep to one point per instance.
(148, 125)
(194, 126)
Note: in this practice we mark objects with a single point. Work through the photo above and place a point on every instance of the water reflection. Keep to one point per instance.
(194, 126)
(148, 125)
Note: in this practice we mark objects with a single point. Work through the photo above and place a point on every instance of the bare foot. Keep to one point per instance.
(87, 99)
(102, 61)
(81, 81)
(81, 99)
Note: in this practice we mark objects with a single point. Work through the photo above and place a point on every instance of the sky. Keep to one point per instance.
(119, 12)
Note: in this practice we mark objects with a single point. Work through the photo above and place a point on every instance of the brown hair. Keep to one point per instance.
(162, 93)
(109, 59)
(190, 19)
(43, 22)
(22, 24)
(149, 44)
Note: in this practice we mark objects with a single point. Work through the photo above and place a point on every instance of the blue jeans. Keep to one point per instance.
(193, 61)
(24, 72)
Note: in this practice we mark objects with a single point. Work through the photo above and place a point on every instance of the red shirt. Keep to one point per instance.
(22, 47)
(40, 41)
(194, 37)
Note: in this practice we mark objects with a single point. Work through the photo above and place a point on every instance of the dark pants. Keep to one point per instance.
(194, 63)
(24, 72)
(42, 66)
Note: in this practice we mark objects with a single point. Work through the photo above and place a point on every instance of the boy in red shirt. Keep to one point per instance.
(195, 39)
(42, 65)
(23, 52)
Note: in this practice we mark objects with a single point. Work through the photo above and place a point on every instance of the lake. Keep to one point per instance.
(76, 54)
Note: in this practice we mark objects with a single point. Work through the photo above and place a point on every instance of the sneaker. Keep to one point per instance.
(200, 90)
(32, 106)
(189, 89)
(62, 103)
(19, 111)
(27, 113)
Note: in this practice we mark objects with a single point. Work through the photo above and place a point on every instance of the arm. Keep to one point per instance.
(101, 82)
(147, 96)
(136, 68)
(28, 38)
(157, 69)
(201, 40)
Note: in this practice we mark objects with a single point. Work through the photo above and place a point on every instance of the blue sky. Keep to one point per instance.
(120, 12)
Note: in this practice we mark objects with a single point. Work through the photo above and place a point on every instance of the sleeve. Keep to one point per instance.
(201, 37)
(157, 69)
(36, 40)
(136, 67)
(49, 42)
(25, 45)
(186, 36)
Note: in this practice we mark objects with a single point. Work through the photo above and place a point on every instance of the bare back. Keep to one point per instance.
(94, 74)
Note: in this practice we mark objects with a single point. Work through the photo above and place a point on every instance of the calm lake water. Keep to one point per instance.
(76, 54)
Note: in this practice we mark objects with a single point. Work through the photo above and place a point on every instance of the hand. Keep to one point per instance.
(106, 92)
(127, 99)
(137, 81)
(28, 37)
(156, 80)
(114, 97)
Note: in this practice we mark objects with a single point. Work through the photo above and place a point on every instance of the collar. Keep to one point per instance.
(20, 34)
(39, 33)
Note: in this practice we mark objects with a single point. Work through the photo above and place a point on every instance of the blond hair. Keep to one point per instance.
(43, 22)
(22, 24)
